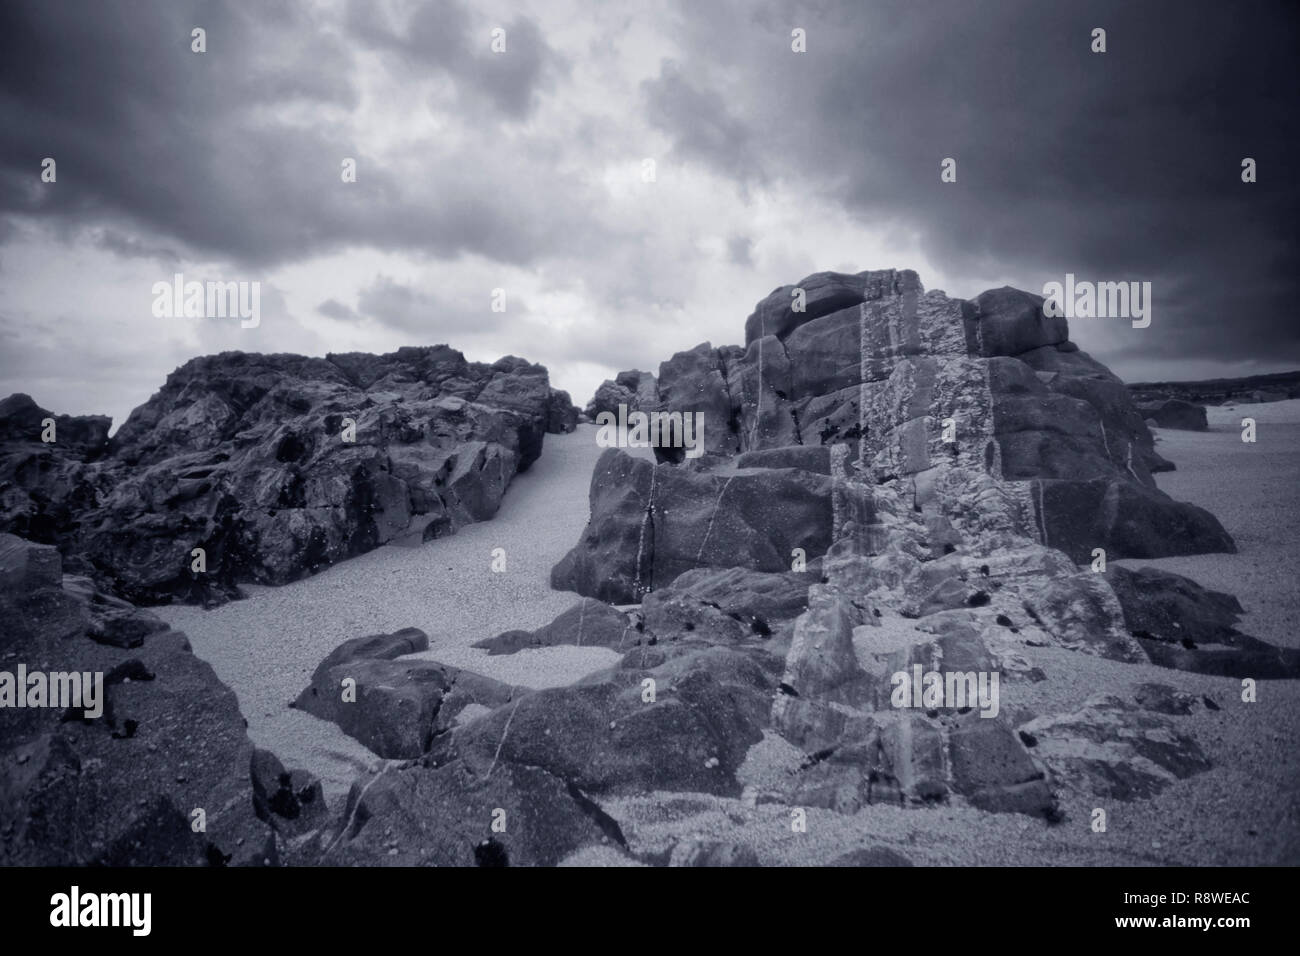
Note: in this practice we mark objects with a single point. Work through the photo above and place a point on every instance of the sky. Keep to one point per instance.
(526, 171)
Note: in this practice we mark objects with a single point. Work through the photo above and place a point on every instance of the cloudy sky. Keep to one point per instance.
(524, 171)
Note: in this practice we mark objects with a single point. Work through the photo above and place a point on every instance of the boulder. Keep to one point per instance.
(1011, 322)
(121, 788)
(650, 523)
(395, 707)
(588, 623)
(1181, 625)
(678, 718)
(276, 466)
(1175, 413)
(727, 606)
(561, 413)
(1109, 748)
(452, 815)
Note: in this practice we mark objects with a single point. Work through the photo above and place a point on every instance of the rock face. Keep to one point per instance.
(651, 522)
(125, 787)
(275, 465)
(904, 380)
(637, 390)
(896, 483)
(1111, 748)
(674, 717)
(395, 707)
(1175, 413)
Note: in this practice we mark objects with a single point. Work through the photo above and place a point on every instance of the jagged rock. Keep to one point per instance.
(1175, 413)
(408, 640)
(1182, 625)
(587, 624)
(688, 729)
(244, 456)
(637, 390)
(992, 769)
(452, 815)
(823, 293)
(1012, 322)
(23, 421)
(561, 413)
(696, 381)
(1127, 441)
(1112, 749)
(112, 620)
(1164, 699)
(120, 788)
(1124, 519)
(395, 707)
(650, 523)
(726, 606)
(877, 361)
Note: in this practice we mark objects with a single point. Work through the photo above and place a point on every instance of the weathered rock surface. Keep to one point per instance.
(122, 788)
(1175, 413)
(1182, 625)
(905, 379)
(729, 606)
(650, 523)
(587, 624)
(275, 465)
(451, 815)
(972, 459)
(634, 389)
(395, 707)
(1113, 749)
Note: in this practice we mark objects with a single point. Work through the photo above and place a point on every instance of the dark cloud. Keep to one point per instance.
(334, 309)
(443, 37)
(1122, 165)
(207, 150)
(740, 250)
(1117, 165)
(428, 317)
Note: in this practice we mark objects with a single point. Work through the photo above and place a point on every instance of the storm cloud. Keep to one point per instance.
(524, 170)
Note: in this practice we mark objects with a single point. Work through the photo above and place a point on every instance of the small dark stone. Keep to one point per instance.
(491, 853)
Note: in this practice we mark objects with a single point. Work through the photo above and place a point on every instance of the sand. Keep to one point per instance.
(266, 646)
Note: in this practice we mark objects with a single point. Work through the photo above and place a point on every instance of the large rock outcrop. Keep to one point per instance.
(902, 378)
(898, 482)
(164, 774)
(274, 465)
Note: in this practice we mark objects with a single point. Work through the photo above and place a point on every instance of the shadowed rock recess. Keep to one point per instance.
(275, 465)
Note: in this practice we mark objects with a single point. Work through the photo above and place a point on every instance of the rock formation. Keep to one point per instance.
(1174, 413)
(275, 465)
(132, 785)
